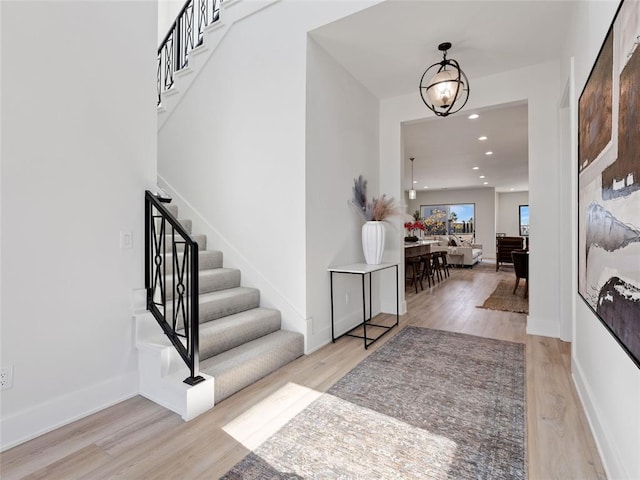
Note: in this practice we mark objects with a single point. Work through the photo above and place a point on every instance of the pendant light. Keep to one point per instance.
(412, 192)
(446, 88)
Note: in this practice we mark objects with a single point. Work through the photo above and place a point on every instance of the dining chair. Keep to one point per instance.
(521, 266)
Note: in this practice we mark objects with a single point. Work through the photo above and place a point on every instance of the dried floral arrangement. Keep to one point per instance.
(378, 209)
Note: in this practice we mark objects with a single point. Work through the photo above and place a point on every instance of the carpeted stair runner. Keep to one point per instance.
(240, 342)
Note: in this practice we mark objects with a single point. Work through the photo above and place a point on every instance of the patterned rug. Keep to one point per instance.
(504, 299)
(428, 404)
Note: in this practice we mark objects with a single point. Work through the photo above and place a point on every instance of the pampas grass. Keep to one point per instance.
(379, 209)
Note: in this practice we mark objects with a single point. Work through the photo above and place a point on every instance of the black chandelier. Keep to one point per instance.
(446, 86)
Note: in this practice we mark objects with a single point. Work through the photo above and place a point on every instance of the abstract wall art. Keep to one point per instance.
(609, 182)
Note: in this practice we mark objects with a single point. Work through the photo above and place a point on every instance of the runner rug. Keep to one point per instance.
(428, 404)
(504, 299)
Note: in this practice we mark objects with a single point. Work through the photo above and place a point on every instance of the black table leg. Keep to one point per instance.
(333, 336)
(364, 313)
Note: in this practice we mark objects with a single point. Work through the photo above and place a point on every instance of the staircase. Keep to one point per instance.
(239, 341)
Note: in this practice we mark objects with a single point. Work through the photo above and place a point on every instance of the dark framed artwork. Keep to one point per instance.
(609, 182)
(523, 220)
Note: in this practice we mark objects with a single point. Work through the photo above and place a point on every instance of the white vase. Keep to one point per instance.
(373, 242)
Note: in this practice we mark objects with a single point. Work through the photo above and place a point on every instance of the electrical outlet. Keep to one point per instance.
(6, 378)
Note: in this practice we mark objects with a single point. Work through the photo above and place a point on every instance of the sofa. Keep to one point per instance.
(460, 252)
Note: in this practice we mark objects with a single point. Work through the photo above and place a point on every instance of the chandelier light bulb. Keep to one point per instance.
(445, 88)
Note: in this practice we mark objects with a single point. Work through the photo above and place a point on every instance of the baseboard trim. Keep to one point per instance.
(541, 327)
(57, 412)
(609, 456)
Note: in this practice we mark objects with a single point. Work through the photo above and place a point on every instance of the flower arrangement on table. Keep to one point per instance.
(413, 227)
(376, 210)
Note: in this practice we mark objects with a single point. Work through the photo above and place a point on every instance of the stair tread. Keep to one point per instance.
(198, 238)
(223, 334)
(241, 366)
(213, 272)
(228, 293)
(210, 280)
(207, 259)
(217, 272)
(202, 253)
(221, 303)
(173, 209)
(191, 235)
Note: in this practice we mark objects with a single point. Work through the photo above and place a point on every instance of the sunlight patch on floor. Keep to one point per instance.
(261, 421)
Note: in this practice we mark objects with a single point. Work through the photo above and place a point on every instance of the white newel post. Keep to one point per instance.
(373, 242)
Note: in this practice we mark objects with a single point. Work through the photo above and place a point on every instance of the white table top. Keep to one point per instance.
(361, 268)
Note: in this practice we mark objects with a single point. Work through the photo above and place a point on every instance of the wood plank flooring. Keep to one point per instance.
(138, 439)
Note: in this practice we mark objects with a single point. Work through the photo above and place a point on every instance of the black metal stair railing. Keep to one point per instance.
(185, 34)
(167, 241)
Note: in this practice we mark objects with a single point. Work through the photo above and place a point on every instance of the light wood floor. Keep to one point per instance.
(138, 439)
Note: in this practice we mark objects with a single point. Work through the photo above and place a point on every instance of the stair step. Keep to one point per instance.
(207, 259)
(219, 304)
(211, 280)
(173, 209)
(220, 335)
(237, 368)
(186, 223)
(200, 239)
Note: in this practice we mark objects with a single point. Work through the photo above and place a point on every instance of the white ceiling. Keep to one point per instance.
(388, 46)
(447, 149)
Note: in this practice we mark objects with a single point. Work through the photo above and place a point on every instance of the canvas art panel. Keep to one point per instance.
(609, 182)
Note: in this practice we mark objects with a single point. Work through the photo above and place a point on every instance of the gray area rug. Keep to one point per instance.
(505, 300)
(428, 404)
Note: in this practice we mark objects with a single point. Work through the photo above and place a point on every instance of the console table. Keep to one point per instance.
(363, 270)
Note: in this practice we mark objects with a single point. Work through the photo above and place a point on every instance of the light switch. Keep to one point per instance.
(126, 240)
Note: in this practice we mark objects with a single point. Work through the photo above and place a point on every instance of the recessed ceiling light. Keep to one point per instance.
(481, 176)
(415, 181)
(425, 187)
(486, 183)
(488, 153)
(512, 189)
(475, 168)
(473, 116)
(482, 138)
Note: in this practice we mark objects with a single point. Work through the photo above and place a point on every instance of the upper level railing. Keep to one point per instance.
(184, 35)
(171, 281)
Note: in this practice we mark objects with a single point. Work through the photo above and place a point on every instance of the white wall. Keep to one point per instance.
(78, 151)
(484, 217)
(607, 380)
(234, 149)
(508, 211)
(167, 12)
(540, 85)
(342, 143)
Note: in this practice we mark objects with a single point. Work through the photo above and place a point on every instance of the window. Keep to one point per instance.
(449, 219)
(524, 220)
